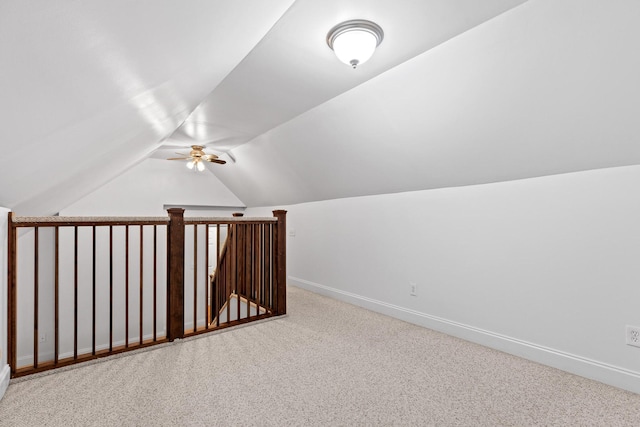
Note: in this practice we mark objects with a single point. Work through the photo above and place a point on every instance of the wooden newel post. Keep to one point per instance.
(280, 249)
(175, 274)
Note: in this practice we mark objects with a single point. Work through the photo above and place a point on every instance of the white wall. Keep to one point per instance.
(146, 188)
(546, 268)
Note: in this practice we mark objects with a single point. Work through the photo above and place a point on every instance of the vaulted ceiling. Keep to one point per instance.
(460, 92)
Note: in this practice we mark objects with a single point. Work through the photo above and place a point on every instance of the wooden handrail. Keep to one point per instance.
(61, 221)
(227, 220)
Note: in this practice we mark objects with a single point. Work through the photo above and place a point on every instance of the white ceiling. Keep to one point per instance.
(90, 88)
(292, 69)
(546, 88)
(459, 92)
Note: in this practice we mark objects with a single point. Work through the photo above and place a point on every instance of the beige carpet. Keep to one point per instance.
(327, 363)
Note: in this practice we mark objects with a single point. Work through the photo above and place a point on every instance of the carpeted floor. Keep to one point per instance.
(327, 363)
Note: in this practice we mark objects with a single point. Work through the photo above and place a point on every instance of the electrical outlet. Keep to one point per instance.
(633, 336)
(413, 289)
(42, 337)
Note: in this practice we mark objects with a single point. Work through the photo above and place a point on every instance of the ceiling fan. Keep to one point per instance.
(197, 157)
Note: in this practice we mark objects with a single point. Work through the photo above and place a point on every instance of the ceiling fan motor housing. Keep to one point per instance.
(197, 151)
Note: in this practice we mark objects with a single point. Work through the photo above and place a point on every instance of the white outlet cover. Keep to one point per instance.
(413, 289)
(633, 335)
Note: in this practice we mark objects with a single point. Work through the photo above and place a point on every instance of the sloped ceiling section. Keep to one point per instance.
(91, 88)
(548, 87)
(292, 69)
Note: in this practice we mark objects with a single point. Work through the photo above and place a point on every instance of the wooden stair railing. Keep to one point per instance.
(95, 284)
(247, 272)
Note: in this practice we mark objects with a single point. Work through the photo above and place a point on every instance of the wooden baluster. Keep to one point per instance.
(240, 263)
(195, 278)
(155, 280)
(237, 269)
(272, 278)
(218, 276)
(93, 293)
(221, 283)
(141, 319)
(175, 274)
(110, 288)
(236, 251)
(252, 259)
(230, 280)
(258, 262)
(126, 287)
(206, 277)
(75, 293)
(247, 266)
(262, 264)
(56, 296)
(35, 298)
(256, 266)
(265, 264)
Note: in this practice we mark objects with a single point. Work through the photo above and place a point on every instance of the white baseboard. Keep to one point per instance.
(5, 376)
(575, 364)
(27, 359)
(189, 325)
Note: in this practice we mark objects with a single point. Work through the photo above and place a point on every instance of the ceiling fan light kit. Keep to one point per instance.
(197, 157)
(199, 166)
(355, 41)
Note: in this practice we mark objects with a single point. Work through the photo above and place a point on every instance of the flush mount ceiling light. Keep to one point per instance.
(355, 41)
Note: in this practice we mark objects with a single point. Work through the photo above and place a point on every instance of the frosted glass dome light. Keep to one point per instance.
(355, 41)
